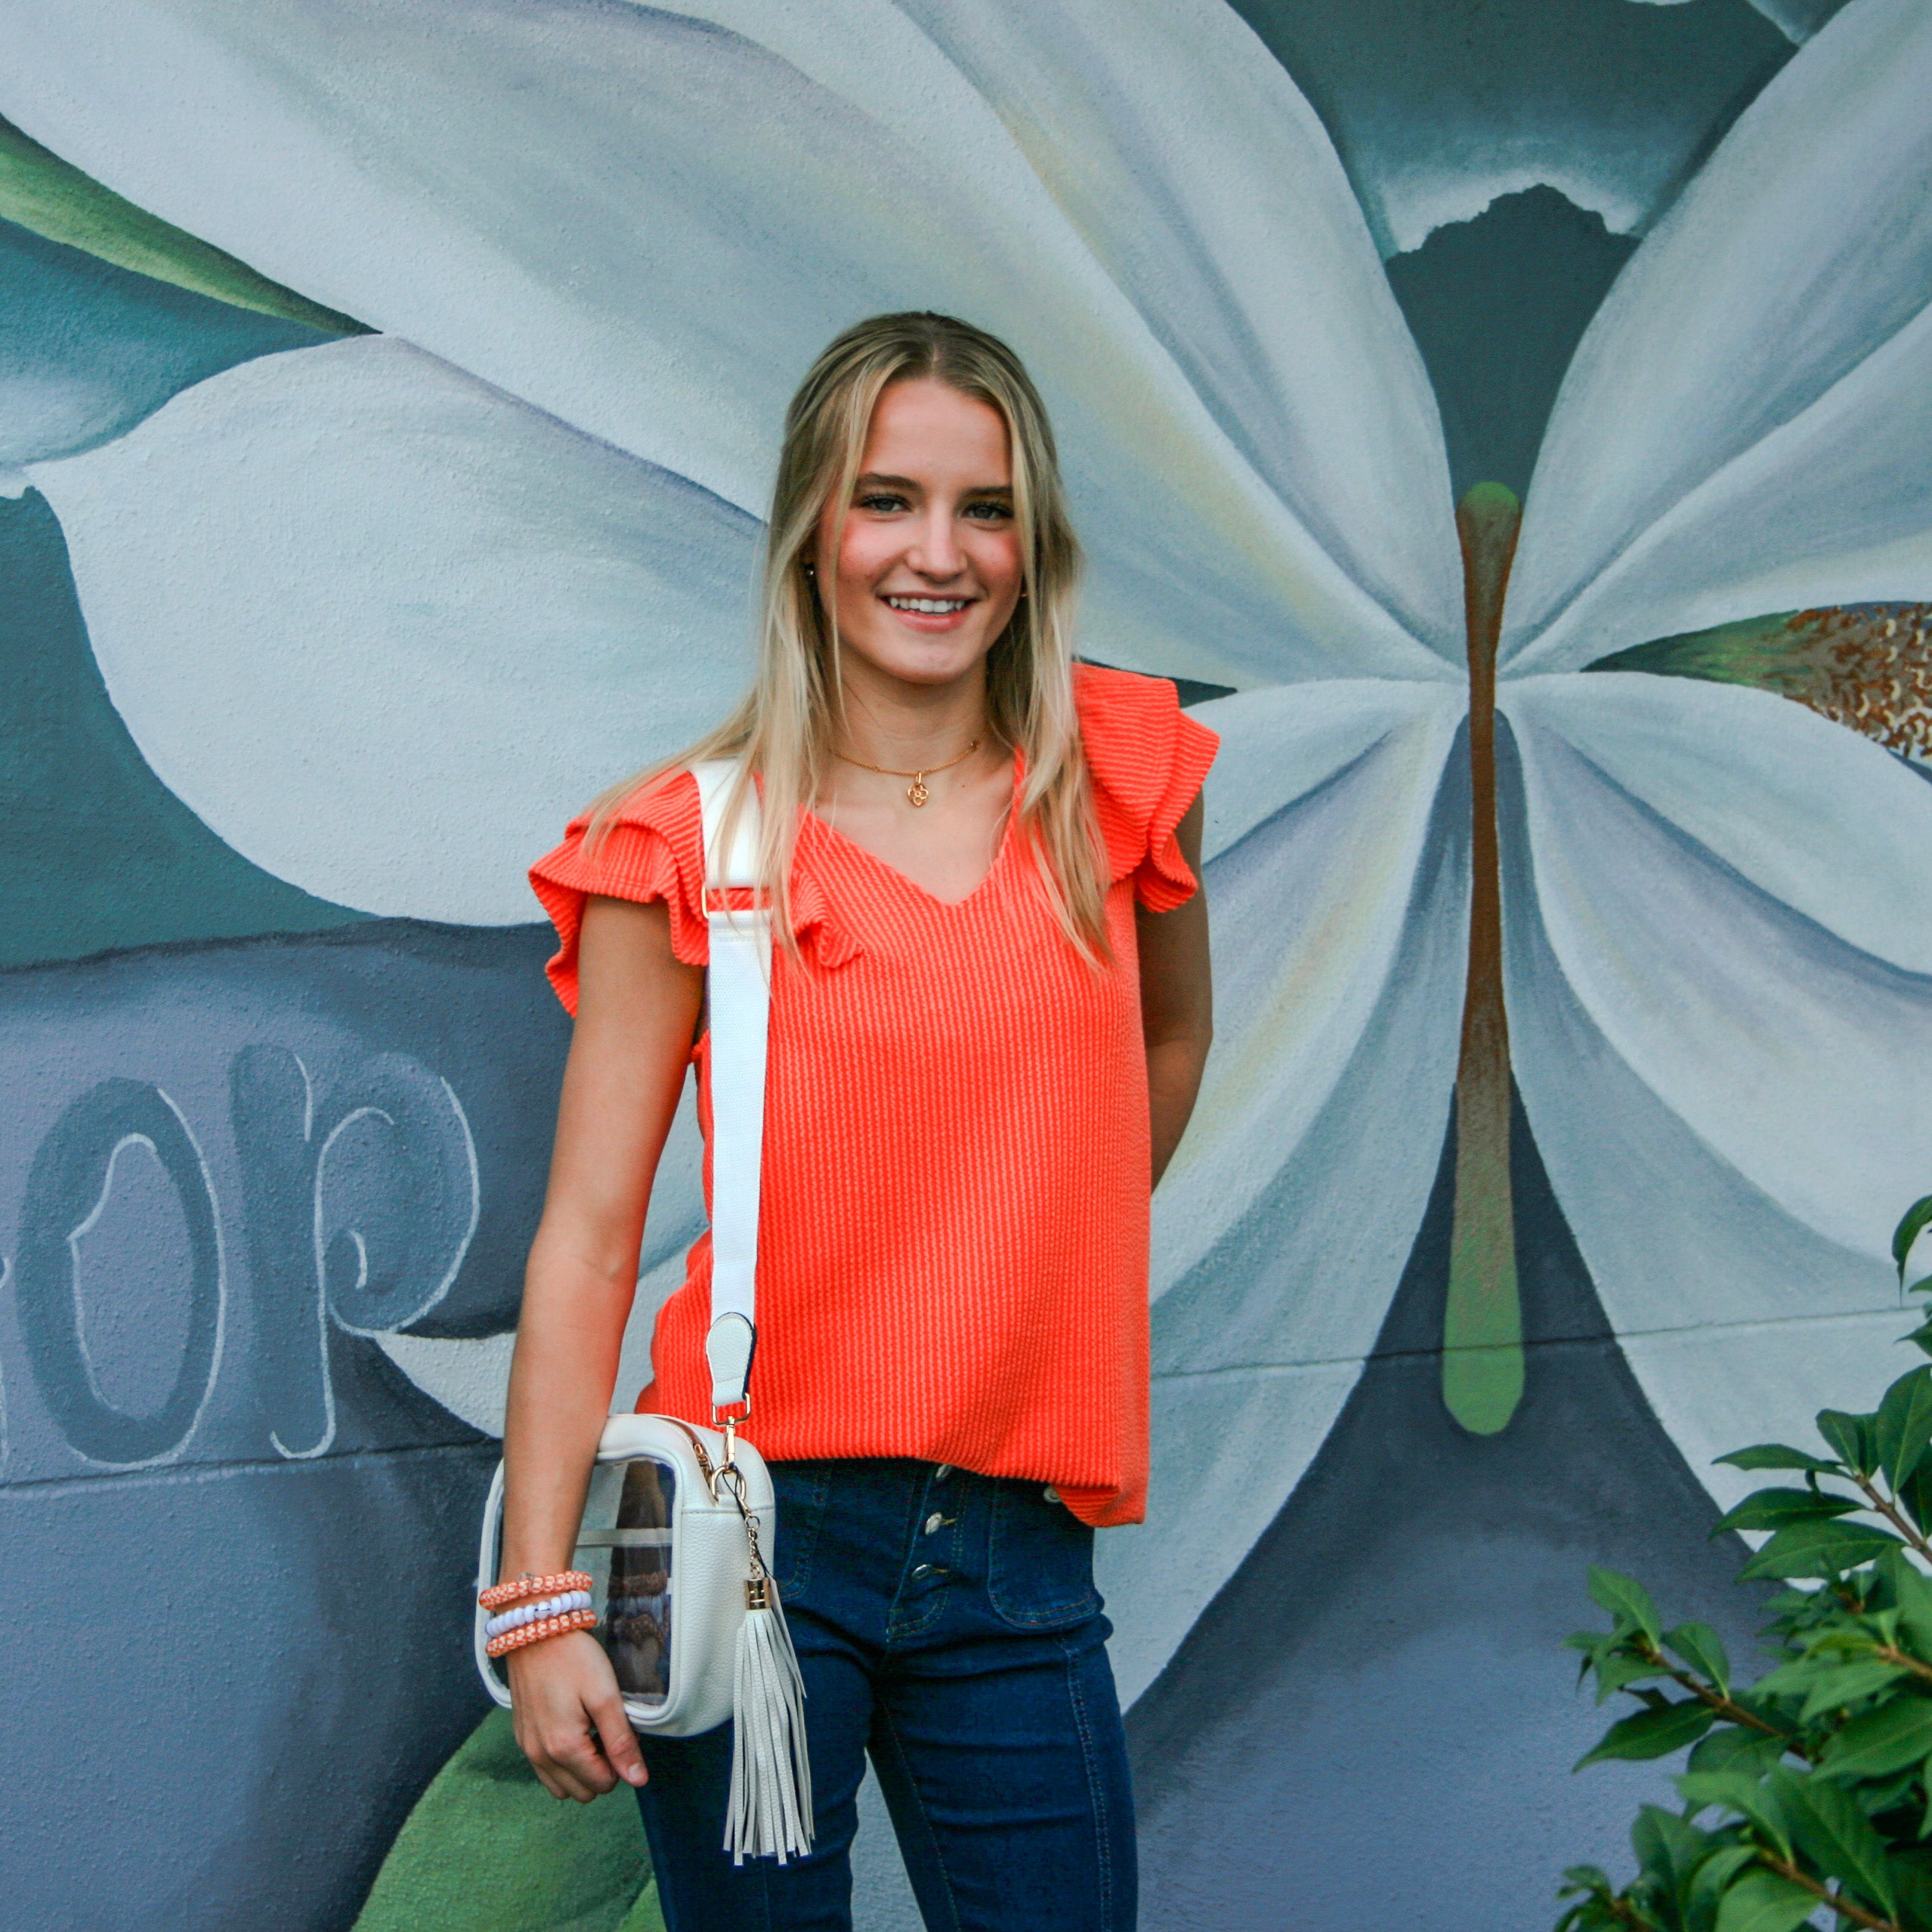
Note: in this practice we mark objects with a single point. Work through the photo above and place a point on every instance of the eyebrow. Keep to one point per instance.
(874, 480)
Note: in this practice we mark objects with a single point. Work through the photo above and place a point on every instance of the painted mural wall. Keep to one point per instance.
(1506, 419)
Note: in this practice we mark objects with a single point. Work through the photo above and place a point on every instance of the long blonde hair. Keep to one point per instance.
(782, 729)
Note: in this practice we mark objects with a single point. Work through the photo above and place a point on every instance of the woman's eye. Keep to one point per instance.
(881, 506)
(990, 512)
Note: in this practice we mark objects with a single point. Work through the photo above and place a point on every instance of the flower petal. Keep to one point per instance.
(646, 221)
(384, 629)
(1818, 817)
(1283, 1226)
(1738, 1320)
(87, 350)
(1272, 300)
(1320, 804)
(1791, 1056)
(1743, 429)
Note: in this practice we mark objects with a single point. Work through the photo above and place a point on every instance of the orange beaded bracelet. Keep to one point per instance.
(519, 1589)
(515, 1639)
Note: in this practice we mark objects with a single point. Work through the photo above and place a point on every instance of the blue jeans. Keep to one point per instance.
(946, 1624)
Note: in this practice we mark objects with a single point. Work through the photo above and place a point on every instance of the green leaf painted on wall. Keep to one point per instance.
(487, 1849)
(1867, 666)
(40, 192)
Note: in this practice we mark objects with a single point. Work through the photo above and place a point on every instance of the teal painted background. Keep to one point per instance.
(387, 395)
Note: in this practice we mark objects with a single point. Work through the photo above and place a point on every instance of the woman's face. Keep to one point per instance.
(928, 571)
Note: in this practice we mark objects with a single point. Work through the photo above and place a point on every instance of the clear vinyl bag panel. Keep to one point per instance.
(625, 1543)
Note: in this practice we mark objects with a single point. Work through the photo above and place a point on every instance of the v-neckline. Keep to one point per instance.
(911, 884)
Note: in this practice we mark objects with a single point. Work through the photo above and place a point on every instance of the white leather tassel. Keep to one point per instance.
(769, 1812)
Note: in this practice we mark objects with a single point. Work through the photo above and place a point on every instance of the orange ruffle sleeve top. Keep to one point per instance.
(953, 1244)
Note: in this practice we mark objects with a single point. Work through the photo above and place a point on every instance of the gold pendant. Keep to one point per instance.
(916, 792)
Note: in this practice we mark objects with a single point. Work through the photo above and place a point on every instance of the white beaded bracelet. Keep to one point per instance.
(528, 1613)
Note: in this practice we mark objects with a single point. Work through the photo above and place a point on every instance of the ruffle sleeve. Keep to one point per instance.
(655, 850)
(1148, 758)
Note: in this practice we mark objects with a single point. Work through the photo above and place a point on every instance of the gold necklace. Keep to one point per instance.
(916, 793)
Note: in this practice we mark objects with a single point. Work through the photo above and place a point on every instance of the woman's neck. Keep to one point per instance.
(894, 723)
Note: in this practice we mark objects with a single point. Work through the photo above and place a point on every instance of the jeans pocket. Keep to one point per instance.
(800, 1489)
(1039, 1561)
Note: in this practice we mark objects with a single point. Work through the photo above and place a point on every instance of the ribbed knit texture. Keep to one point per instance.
(953, 1237)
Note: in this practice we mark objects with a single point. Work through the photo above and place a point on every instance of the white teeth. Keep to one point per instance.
(930, 606)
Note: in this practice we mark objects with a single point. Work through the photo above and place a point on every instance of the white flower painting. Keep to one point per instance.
(383, 611)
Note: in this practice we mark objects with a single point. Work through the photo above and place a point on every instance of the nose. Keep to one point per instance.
(934, 551)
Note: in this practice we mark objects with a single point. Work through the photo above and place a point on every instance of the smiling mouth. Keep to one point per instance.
(929, 607)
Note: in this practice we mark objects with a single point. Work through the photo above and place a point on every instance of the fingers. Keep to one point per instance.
(620, 1740)
(554, 1698)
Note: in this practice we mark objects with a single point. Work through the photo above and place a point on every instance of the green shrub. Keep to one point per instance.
(1809, 1792)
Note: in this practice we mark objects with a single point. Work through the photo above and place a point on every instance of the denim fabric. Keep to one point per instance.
(947, 1624)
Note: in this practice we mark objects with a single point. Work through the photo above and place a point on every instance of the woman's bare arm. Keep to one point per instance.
(1177, 1003)
(637, 1009)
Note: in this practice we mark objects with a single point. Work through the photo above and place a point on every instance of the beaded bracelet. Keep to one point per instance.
(518, 1588)
(528, 1613)
(515, 1639)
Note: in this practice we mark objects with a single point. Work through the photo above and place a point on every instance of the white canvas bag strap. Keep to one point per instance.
(740, 1002)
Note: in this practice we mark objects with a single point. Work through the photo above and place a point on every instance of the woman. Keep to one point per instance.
(990, 1011)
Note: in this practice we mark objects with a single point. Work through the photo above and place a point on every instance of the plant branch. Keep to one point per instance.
(1623, 1909)
(1889, 1509)
(1888, 1654)
(1844, 1907)
(1725, 1707)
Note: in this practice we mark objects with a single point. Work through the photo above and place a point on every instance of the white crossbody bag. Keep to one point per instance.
(679, 1524)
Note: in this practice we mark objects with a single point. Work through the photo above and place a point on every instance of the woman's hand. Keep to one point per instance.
(569, 1720)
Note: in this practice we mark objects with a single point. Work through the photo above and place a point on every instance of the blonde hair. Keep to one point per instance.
(782, 729)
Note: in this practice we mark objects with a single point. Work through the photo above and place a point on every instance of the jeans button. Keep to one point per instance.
(1052, 1494)
(940, 1474)
(934, 1522)
(924, 1569)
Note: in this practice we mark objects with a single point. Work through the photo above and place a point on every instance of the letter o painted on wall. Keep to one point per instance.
(64, 1187)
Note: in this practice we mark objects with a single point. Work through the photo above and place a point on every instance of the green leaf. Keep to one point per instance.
(1834, 1833)
(1670, 1848)
(1733, 1746)
(1702, 1648)
(1624, 1596)
(1818, 1549)
(1652, 1733)
(1835, 1689)
(48, 196)
(1851, 1436)
(1916, 1496)
(1615, 1673)
(1762, 1902)
(1904, 1427)
(1911, 1878)
(1771, 1509)
(1579, 1877)
(1737, 1791)
(1920, 1338)
(1881, 1741)
(1777, 1455)
(1713, 1876)
(1794, 1679)
(1917, 1218)
(488, 1850)
(1914, 1596)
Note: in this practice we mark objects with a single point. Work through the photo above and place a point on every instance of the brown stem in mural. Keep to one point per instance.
(1482, 1371)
